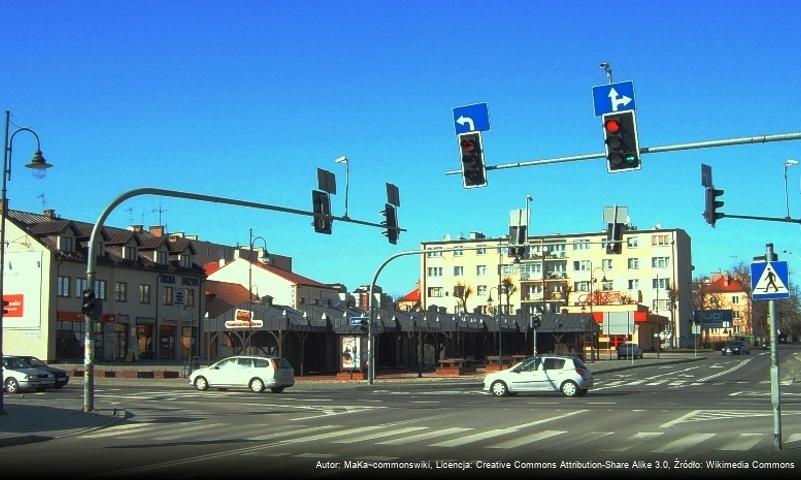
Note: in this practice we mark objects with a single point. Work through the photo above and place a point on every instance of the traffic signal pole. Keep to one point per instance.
(782, 137)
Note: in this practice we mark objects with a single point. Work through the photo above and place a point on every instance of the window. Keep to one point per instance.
(161, 257)
(121, 291)
(458, 252)
(434, 291)
(661, 283)
(166, 299)
(481, 250)
(553, 364)
(185, 260)
(634, 284)
(189, 300)
(634, 263)
(458, 271)
(80, 286)
(660, 240)
(100, 289)
(631, 242)
(735, 315)
(481, 270)
(581, 245)
(582, 286)
(434, 271)
(607, 285)
(735, 299)
(661, 305)
(581, 265)
(459, 291)
(129, 253)
(481, 290)
(66, 244)
(144, 293)
(435, 252)
(63, 286)
(606, 264)
(660, 262)
(535, 289)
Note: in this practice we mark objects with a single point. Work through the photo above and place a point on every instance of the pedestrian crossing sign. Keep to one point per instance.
(769, 281)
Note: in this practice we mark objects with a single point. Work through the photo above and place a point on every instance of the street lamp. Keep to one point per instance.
(344, 159)
(264, 256)
(592, 302)
(498, 321)
(787, 164)
(38, 165)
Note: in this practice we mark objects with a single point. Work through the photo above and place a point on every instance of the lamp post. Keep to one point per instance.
(39, 165)
(788, 164)
(592, 302)
(498, 321)
(344, 159)
(264, 257)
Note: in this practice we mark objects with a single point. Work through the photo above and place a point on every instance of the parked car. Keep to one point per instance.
(568, 375)
(255, 373)
(629, 350)
(61, 376)
(736, 348)
(19, 375)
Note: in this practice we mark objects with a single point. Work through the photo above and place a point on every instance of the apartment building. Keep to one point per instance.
(560, 272)
(725, 292)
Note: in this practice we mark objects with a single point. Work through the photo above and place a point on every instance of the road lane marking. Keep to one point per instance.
(184, 431)
(634, 441)
(121, 430)
(373, 436)
(528, 439)
(425, 436)
(684, 443)
(724, 372)
(794, 438)
(274, 435)
(680, 419)
(743, 442)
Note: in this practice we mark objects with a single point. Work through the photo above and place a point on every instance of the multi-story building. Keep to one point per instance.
(724, 292)
(559, 272)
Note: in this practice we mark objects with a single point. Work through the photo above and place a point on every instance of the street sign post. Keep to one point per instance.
(614, 97)
(471, 118)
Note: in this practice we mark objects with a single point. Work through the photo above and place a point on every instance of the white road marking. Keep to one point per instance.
(744, 441)
(184, 431)
(684, 443)
(528, 439)
(274, 435)
(425, 436)
(373, 436)
(121, 430)
(634, 441)
(327, 435)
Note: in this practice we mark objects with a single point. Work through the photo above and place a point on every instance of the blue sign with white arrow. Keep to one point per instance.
(769, 281)
(471, 118)
(613, 97)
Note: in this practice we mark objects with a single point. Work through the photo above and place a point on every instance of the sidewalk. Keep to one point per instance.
(25, 424)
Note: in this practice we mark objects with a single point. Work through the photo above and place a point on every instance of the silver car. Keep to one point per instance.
(568, 375)
(255, 373)
(18, 375)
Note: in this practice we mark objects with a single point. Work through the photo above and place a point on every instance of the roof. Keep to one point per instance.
(293, 277)
(222, 296)
(413, 296)
(725, 284)
(211, 267)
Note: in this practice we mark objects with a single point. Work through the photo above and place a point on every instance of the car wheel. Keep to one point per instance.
(499, 389)
(11, 385)
(256, 385)
(569, 389)
(277, 389)
(201, 383)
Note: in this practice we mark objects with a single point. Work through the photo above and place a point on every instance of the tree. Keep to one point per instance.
(462, 291)
(508, 288)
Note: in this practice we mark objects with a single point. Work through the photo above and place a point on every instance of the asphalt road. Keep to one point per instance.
(670, 418)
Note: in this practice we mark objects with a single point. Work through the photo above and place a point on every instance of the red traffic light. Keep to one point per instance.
(612, 125)
(469, 144)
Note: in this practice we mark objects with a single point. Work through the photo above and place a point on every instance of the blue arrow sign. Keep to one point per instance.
(471, 118)
(356, 321)
(614, 97)
(769, 281)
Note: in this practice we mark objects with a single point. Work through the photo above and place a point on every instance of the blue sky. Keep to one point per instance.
(247, 99)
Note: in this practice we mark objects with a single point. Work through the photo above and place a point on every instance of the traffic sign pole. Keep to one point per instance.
(775, 395)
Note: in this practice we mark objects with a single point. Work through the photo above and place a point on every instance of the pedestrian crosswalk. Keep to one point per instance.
(439, 440)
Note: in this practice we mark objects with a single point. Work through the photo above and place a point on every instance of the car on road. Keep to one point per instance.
(736, 348)
(18, 376)
(61, 376)
(629, 350)
(253, 372)
(543, 373)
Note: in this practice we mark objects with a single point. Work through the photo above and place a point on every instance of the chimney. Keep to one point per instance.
(137, 228)
(50, 213)
(157, 230)
(267, 300)
(221, 262)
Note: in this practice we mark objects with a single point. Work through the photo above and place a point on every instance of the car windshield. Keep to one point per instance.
(33, 361)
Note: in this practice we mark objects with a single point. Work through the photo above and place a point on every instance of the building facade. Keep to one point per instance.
(559, 272)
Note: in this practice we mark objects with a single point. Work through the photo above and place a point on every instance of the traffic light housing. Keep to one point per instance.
(711, 205)
(321, 205)
(88, 302)
(536, 322)
(614, 238)
(620, 141)
(391, 222)
(471, 148)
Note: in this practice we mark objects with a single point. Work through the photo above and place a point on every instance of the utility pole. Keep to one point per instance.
(775, 396)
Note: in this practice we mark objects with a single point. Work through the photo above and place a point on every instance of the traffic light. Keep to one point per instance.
(711, 205)
(517, 252)
(614, 239)
(536, 322)
(620, 139)
(391, 222)
(474, 172)
(88, 302)
(321, 205)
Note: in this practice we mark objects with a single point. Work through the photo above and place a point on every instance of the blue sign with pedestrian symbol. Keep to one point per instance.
(769, 281)
(471, 118)
(613, 97)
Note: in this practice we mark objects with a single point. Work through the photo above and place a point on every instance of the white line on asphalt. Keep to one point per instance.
(274, 435)
(424, 436)
(528, 439)
(794, 438)
(724, 372)
(634, 441)
(373, 436)
(122, 430)
(680, 419)
(743, 442)
(184, 431)
(684, 443)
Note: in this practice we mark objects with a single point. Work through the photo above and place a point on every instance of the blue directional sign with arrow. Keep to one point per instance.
(613, 97)
(471, 118)
(769, 281)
